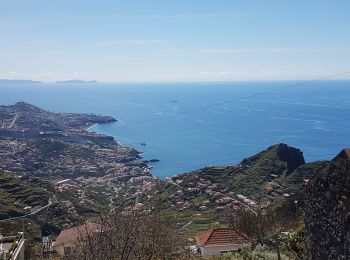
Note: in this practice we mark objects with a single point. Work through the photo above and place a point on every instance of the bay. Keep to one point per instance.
(188, 126)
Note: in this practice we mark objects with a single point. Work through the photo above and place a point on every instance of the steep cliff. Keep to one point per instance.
(327, 218)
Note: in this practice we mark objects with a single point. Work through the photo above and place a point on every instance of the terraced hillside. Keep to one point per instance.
(269, 178)
(16, 193)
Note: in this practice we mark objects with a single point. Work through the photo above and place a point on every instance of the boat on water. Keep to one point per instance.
(143, 143)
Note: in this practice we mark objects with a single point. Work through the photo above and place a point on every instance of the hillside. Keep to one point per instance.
(268, 178)
(56, 145)
(327, 218)
(16, 193)
(24, 116)
(80, 170)
(261, 177)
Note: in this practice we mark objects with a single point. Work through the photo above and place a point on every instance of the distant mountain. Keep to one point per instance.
(77, 81)
(19, 81)
(35, 118)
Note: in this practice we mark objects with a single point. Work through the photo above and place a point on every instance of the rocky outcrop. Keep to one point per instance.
(327, 211)
(290, 157)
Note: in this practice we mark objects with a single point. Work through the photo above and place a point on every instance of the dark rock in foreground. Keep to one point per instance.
(327, 218)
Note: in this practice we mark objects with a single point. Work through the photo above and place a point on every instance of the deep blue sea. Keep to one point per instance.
(314, 117)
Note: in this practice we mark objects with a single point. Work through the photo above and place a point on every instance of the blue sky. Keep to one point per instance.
(173, 40)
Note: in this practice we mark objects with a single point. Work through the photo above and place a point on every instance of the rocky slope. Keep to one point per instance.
(327, 218)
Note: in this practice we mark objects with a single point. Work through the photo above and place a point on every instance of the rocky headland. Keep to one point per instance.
(84, 168)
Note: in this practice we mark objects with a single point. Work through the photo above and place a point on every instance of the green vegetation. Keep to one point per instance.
(189, 204)
(17, 193)
(48, 149)
(55, 217)
(297, 241)
(254, 254)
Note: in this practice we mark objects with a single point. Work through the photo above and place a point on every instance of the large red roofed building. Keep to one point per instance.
(69, 237)
(217, 241)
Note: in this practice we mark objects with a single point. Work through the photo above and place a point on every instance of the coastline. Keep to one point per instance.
(141, 154)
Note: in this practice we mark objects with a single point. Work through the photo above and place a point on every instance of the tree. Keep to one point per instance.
(297, 241)
(131, 236)
(264, 227)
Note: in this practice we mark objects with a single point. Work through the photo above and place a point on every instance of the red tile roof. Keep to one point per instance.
(221, 237)
(73, 234)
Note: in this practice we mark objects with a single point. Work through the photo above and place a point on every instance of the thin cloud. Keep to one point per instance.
(251, 50)
(260, 50)
(197, 15)
(160, 16)
(222, 73)
(129, 42)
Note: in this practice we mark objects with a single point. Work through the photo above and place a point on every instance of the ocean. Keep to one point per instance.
(224, 122)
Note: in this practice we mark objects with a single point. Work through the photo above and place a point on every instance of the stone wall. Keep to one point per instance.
(327, 213)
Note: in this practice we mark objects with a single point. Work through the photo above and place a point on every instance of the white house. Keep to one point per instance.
(218, 241)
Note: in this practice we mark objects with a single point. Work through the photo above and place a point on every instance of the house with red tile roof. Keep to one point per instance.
(218, 241)
(68, 238)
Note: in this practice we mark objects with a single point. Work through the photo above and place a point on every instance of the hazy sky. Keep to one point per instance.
(173, 40)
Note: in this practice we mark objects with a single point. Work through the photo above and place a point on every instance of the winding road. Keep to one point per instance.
(29, 214)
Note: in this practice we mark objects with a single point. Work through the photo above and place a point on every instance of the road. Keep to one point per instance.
(30, 214)
(13, 121)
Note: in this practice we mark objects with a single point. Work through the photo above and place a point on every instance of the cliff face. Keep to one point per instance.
(290, 158)
(327, 213)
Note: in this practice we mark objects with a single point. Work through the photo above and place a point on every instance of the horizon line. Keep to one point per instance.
(96, 82)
